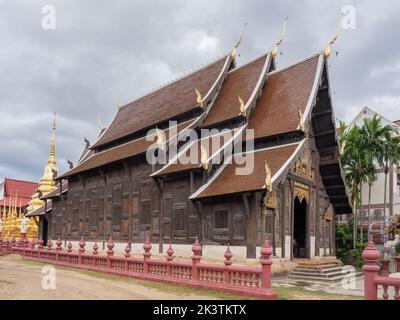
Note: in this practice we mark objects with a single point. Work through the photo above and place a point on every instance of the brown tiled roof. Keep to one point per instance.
(123, 151)
(242, 82)
(227, 182)
(284, 93)
(166, 103)
(40, 211)
(397, 122)
(56, 192)
(212, 144)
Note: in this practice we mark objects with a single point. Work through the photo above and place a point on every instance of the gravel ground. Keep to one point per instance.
(22, 279)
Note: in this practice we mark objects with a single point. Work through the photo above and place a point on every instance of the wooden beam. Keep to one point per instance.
(324, 133)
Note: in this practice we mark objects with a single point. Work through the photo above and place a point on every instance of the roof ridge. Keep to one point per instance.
(19, 180)
(293, 64)
(249, 62)
(175, 80)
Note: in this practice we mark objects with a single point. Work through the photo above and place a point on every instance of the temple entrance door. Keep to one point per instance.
(44, 230)
(300, 229)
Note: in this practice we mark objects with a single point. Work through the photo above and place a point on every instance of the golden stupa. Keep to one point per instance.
(47, 184)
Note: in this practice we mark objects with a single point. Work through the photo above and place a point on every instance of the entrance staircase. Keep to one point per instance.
(324, 271)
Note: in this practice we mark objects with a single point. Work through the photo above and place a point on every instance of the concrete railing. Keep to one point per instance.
(372, 280)
(245, 280)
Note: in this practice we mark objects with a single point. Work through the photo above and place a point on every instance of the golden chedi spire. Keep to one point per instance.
(47, 183)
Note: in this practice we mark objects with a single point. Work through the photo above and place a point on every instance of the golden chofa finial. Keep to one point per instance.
(242, 107)
(301, 120)
(233, 52)
(274, 51)
(203, 157)
(327, 51)
(160, 139)
(268, 176)
(199, 99)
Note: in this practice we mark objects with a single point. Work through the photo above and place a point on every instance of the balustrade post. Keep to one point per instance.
(127, 255)
(58, 247)
(69, 247)
(110, 252)
(170, 257)
(196, 249)
(370, 268)
(266, 252)
(95, 249)
(82, 244)
(49, 245)
(1, 245)
(228, 262)
(146, 255)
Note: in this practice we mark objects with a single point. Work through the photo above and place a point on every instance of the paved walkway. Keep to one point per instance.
(23, 280)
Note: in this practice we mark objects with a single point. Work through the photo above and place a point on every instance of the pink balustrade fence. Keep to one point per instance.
(376, 277)
(254, 281)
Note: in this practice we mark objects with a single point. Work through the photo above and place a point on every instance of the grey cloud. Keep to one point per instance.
(104, 49)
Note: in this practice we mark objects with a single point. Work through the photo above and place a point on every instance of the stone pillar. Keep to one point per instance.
(170, 257)
(370, 268)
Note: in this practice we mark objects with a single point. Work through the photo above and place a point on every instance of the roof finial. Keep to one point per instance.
(274, 51)
(233, 52)
(53, 139)
(54, 121)
(327, 51)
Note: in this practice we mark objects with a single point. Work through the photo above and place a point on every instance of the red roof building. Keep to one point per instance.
(11, 188)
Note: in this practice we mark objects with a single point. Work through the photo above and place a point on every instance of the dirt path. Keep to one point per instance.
(22, 279)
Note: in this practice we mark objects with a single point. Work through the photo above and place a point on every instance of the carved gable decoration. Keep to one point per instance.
(303, 166)
(302, 191)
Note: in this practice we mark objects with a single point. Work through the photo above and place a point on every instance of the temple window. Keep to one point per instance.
(221, 219)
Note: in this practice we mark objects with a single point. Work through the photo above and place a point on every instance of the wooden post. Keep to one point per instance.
(196, 249)
(370, 268)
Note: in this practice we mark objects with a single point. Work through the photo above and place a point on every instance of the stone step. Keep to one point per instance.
(311, 271)
(319, 275)
(328, 266)
(317, 279)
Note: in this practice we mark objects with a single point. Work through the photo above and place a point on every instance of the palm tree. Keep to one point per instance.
(355, 165)
(372, 139)
(390, 156)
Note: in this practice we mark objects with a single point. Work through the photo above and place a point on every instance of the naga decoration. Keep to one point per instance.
(268, 177)
(233, 52)
(203, 157)
(327, 51)
(242, 107)
(274, 51)
(301, 120)
(199, 98)
(160, 139)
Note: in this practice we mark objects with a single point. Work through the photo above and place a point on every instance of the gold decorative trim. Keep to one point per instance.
(302, 191)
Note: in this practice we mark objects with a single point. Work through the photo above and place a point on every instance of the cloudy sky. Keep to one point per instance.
(103, 49)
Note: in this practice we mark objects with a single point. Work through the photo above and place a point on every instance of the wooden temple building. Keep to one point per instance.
(291, 195)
